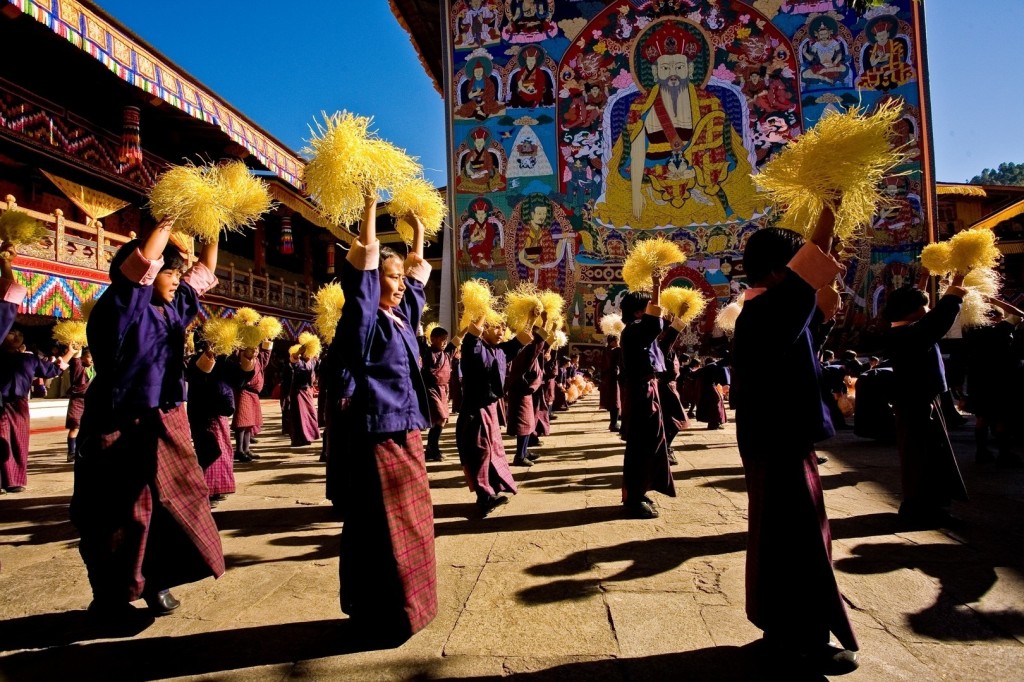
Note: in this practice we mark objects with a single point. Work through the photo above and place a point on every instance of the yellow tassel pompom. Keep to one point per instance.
(612, 324)
(247, 316)
(249, 336)
(646, 258)
(935, 258)
(18, 227)
(85, 309)
(327, 306)
(429, 329)
(494, 317)
(311, 345)
(347, 161)
(561, 340)
(686, 304)
(980, 284)
(271, 327)
(522, 307)
(554, 305)
(475, 295)
(295, 350)
(70, 332)
(221, 335)
(191, 195)
(417, 197)
(725, 320)
(972, 249)
(846, 155)
(244, 196)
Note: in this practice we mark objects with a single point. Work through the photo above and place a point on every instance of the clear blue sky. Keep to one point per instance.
(282, 63)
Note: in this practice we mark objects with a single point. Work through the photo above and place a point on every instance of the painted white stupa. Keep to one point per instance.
(527, 159)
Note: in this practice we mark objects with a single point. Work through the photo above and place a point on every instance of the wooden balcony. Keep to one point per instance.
(90, 246)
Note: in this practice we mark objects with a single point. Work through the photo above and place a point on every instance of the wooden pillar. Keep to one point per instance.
(259, 258)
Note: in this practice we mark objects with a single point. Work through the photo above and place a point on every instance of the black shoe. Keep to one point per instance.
(532, 456)
(517, 462)
(489, 504)
(16, 489)
(253, 441)
(614, 428)
(242, 457)
(434, 455)
(161, 603)
(672, 458)
(642, 510)
(553, 417)
(648, 501)
(822, 460)
(118, 618)
(831, 659)
(252, 455)
(71, 457)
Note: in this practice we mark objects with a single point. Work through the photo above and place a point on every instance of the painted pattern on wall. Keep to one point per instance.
(581, 126)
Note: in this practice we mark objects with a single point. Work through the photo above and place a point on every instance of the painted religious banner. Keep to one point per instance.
(580, 127)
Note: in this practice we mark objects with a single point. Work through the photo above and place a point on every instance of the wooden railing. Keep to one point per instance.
(90, 246)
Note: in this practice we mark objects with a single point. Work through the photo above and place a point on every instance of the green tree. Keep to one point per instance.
(1006, 174)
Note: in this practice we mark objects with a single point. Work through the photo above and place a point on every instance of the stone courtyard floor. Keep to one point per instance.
(556, 585)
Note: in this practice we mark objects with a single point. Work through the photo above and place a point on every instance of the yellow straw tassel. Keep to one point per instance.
(646, 258)
(612, 324)
(18, 227)
(192, 196)
(85, 309)
(561, 340)
(70, 332)
(980, 283)
(554, 305)
(725, 320)
(271, 327)
(476, 301)
(247, 316)
(686, 304)
(935, 258)
(972, 249)
(221, 335)
(846, 155)
(328, 304)
(311, 347)
(295, 350)
(494, 317)
(244, 196)
(419, 198)
(249, 336)
(522, 306)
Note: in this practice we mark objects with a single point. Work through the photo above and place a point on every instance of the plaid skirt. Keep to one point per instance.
(388, 569)
(213, 449)
(481, 450)
(304, 427)
(437, 402)
(142, 506)
(76, 406)
(14, 434)
(248, 412)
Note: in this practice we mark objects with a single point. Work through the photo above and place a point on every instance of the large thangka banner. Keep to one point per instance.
(581, 126)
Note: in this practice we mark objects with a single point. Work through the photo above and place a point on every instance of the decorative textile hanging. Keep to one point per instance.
(330, 258)
(131, 139)
(287, 240)
(94, 204)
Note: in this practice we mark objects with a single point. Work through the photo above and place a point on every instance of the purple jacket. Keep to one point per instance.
(138, 347)
(11, 296)
(483, 367)
(17, 370)
(380, 348)
(641, 356)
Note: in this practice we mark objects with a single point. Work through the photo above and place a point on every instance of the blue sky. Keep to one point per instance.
(282, 63)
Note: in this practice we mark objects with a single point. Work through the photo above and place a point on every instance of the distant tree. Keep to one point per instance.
(1006, 174)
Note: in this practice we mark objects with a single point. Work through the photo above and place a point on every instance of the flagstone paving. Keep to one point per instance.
(556, 585)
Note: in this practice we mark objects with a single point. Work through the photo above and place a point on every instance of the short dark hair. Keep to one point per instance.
(387, 252)
(632, 303)
(769, 250)
(438, 332)
(903, 303)
(173, 260)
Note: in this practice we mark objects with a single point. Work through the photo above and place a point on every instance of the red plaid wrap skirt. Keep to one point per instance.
(142, 506)
(388, 569)
(482, 452)
(304, 427)
(248, 412)
(76, 406)
(437, 401)
(14, 433)
(218, 459)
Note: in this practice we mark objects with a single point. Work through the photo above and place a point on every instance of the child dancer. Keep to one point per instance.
(140, 500)
(611, 367)
(436, 367)
(524, 378)
(248, 419)
(17, 372)
(792, 593)
(388, 571)
(304, 427)
(81, 373)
